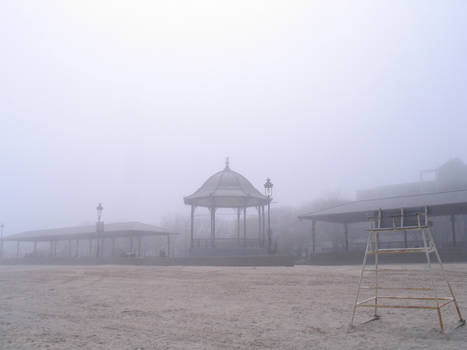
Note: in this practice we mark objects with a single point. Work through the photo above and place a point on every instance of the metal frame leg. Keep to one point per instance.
(430, 273)
(443, 275)
(361, 278)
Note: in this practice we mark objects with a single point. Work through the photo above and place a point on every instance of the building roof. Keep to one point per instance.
(439, 203)
(227, 189)
(121, 229)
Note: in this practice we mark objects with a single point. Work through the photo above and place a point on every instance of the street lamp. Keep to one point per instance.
(268, 192)
(99, 210)
(268, 187)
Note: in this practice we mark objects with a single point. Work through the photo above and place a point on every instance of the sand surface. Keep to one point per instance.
(129, 307)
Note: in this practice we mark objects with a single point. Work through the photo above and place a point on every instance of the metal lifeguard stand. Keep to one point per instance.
(415, 220)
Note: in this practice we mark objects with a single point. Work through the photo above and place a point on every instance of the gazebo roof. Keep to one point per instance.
(227, 189)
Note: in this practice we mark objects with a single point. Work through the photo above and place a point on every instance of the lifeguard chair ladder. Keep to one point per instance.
(404, 221)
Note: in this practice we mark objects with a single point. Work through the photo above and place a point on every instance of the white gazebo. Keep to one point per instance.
(229, 189)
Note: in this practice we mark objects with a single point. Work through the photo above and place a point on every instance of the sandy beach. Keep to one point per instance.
(129, 307)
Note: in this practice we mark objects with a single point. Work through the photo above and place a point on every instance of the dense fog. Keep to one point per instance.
(135, 104)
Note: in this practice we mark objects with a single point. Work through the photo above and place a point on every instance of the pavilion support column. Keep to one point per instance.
(192, 227)
(139, 245)
(453, 230)
(213, 227)
(346, 235)
(168, 246)
(465, 232)
(77, 248)
(113, 246)
(244, 226)
(313, 236)
(50, 248)
(69, 248)
(102, 244)
(90, 247)
(131, 244)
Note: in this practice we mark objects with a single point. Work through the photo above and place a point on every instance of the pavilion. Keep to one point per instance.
(229, 189)
(449, 203)
(96, 236)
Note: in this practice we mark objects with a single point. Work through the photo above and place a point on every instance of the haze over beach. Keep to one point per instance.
(211, 175)
(134, 104)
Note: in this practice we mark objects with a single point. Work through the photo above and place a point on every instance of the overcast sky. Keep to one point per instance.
(136, 103)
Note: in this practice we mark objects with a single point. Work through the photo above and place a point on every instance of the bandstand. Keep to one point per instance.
(229, 189)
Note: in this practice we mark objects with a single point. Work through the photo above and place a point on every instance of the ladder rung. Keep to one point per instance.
(399, 288)
(401, 251)
(414, 298)
(398, 228)
(381, 306)
(404, 298)
(392, 270)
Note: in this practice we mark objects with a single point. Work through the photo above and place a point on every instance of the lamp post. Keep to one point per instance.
(99, 210)
(1, 240)
(268, 192)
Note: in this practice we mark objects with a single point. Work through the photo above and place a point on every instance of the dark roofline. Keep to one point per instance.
(436, 209)
(86, 232)
(86, 235)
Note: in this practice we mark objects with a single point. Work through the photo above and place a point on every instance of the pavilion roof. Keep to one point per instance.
(439, 203)
(121, 229)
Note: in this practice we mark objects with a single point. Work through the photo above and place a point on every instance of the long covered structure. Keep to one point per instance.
(97, 238)
(449, 203)
(229, 189)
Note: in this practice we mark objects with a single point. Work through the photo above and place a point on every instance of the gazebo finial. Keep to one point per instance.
(227, 163)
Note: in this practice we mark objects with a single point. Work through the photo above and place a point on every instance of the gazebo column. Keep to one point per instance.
(264, 225)
(213, 227)
(453, 230)
(244, 226)
(238, 224)
(77, 248)
(192, 227)
(90, 246)
(69, 248)
(131, 244)
(346, 236)
(259, 224)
